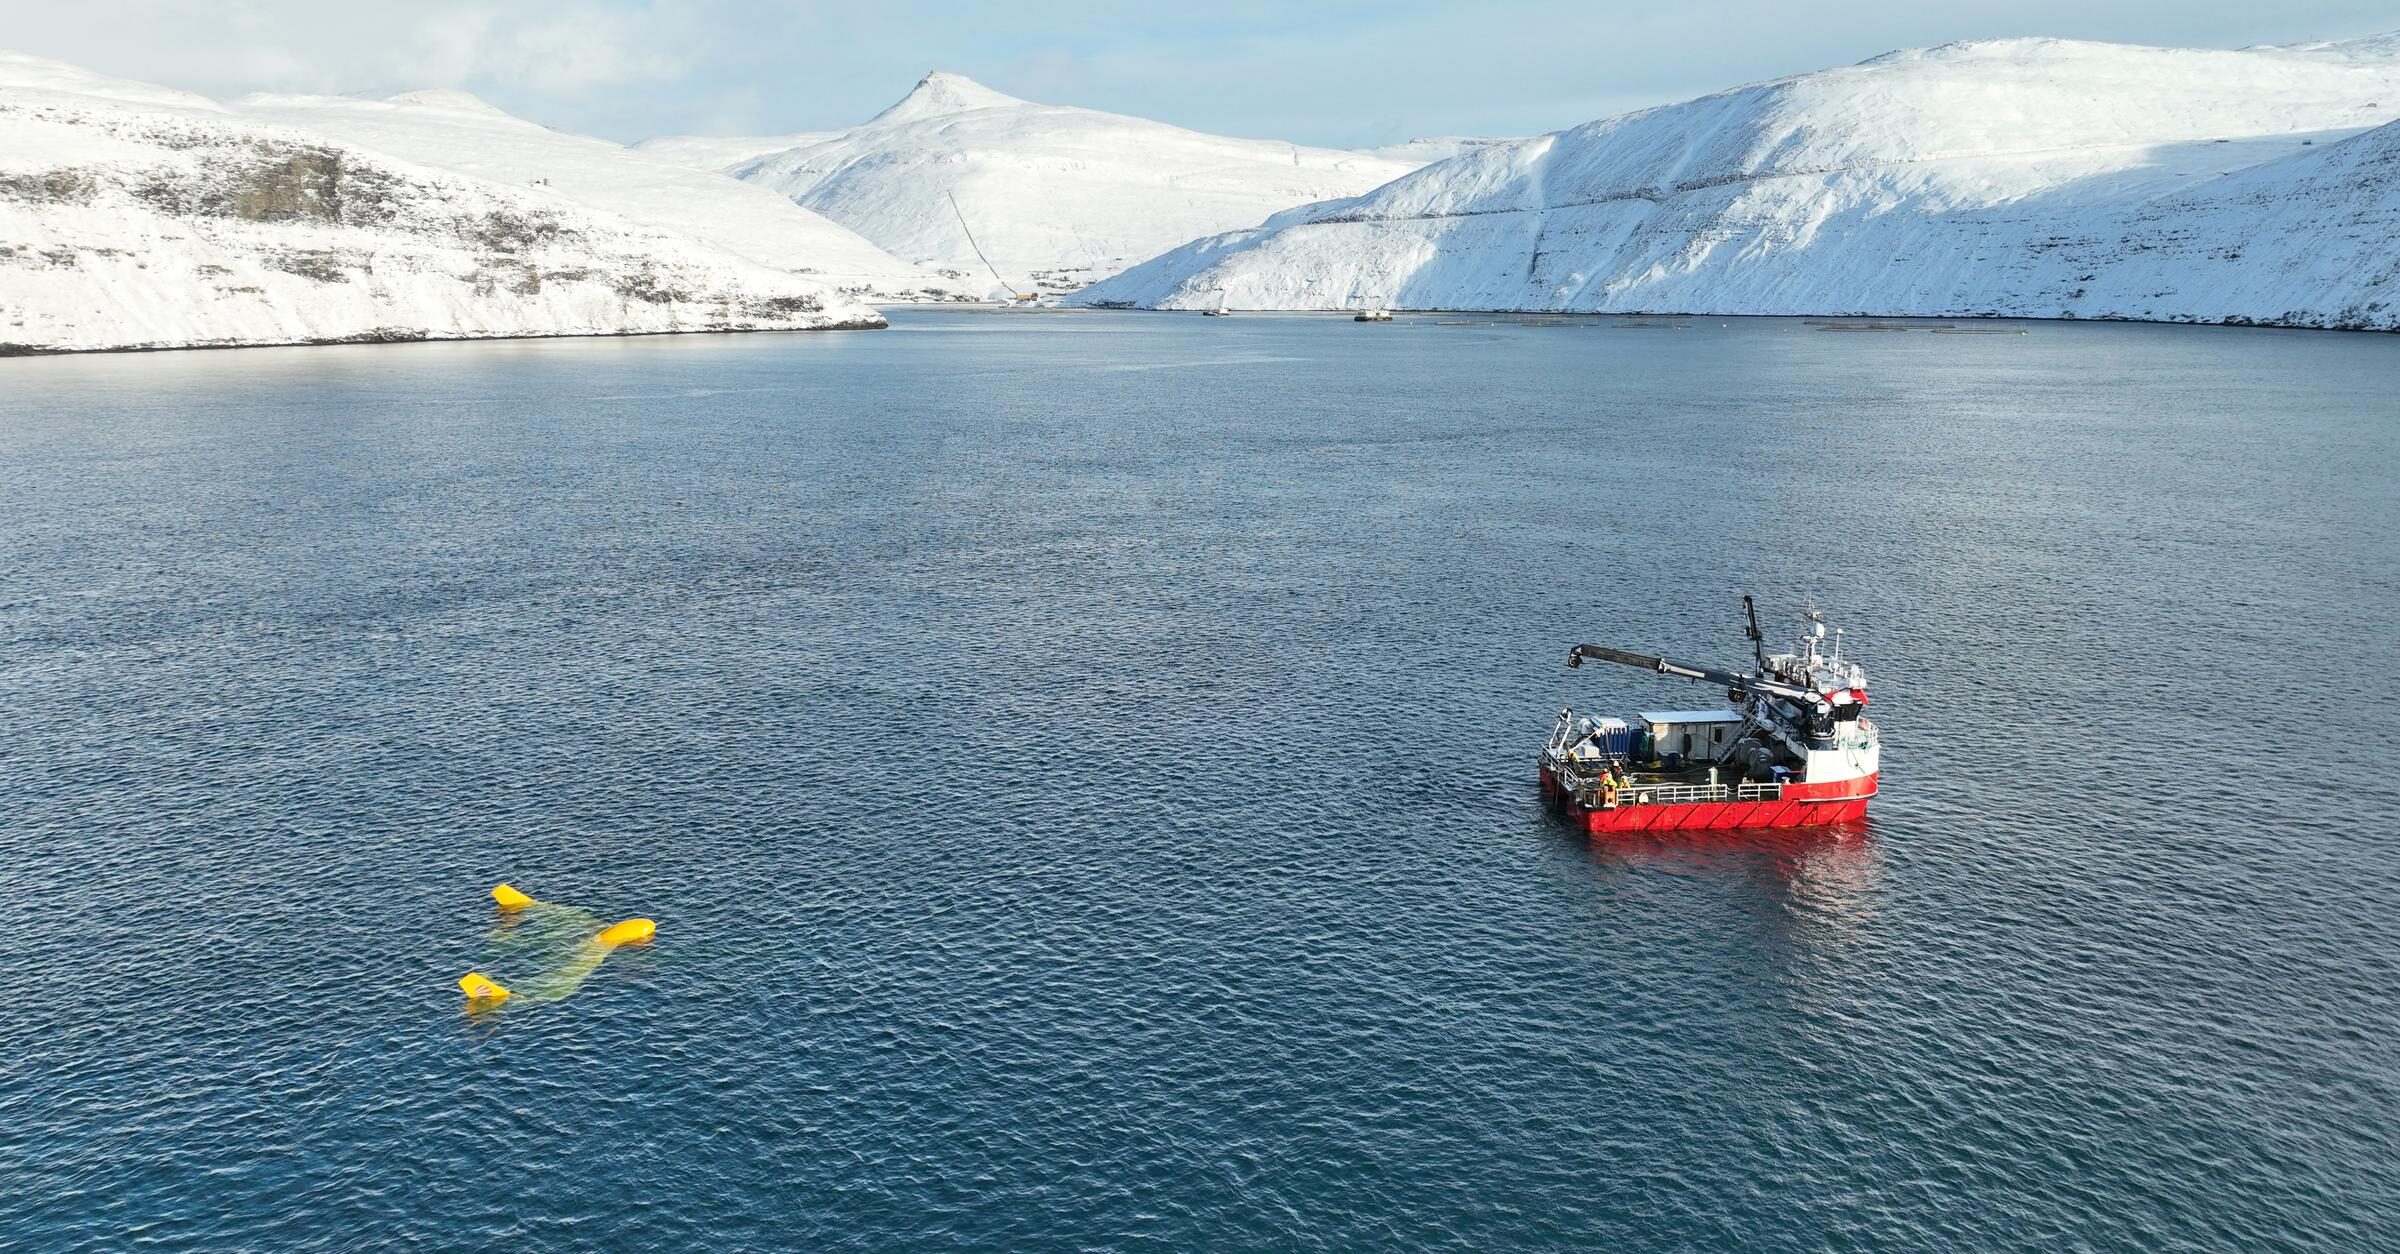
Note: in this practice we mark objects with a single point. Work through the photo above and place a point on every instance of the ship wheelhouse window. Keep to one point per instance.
(1716, 735)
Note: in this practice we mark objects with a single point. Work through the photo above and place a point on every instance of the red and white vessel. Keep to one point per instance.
(1795, 749)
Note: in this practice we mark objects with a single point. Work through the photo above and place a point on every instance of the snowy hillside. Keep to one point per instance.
(1432, 148)
(2028, 177)
(133, 216)
(720, 153)
(455, 131)
(1053, 195)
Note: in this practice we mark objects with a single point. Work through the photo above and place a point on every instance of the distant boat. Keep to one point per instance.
(1217, 310)
(1374, 314)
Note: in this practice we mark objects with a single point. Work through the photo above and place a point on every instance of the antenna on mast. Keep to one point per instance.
(1812, 632)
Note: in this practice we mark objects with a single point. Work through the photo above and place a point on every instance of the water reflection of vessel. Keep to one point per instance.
(1821, 873)
(1795, 750)
(1790, 901)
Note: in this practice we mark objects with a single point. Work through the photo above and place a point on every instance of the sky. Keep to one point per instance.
(1341, 73)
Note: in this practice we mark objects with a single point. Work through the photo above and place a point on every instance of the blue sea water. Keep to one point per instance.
(1082, 770)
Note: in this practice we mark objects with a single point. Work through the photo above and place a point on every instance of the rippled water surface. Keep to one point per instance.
(1082, 771)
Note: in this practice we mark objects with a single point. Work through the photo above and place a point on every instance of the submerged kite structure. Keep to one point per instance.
(543, 928)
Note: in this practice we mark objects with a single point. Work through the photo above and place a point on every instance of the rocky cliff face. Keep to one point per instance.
(132, 217)
(455, 132)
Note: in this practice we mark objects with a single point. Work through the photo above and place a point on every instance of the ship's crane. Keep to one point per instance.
(1668, 666)
(1814, 708)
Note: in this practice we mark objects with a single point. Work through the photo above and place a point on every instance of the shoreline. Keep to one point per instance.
(2236, 322)
(400, 336)
(1834, 321)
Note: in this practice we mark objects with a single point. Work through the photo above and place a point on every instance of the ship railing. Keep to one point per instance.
(1694, 794)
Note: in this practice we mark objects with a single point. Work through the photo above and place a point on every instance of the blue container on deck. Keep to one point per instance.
(1612, 735)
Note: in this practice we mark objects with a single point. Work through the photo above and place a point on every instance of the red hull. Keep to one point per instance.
(1802, 805)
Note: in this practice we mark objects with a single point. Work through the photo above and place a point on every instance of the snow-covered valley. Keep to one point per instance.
(134, 216)
(720, 153)
(2039, 178)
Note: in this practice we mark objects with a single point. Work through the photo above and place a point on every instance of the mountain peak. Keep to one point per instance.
(940, 93)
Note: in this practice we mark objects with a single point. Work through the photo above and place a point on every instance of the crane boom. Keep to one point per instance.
(1666, 666)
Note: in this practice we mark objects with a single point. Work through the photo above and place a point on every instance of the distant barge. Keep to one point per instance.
(1795, 748)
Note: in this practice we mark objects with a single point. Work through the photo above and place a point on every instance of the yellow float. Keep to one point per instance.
(478, 988)
(483, 992)
(630, 932)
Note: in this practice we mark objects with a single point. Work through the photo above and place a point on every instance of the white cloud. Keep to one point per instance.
(583, 50)
(563, 50)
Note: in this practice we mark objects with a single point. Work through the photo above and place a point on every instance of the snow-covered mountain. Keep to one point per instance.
(133, 216)
(455, 131)
(2025, 177)
(1051, 194)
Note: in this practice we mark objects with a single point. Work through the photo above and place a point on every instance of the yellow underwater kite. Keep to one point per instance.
(540, 925)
